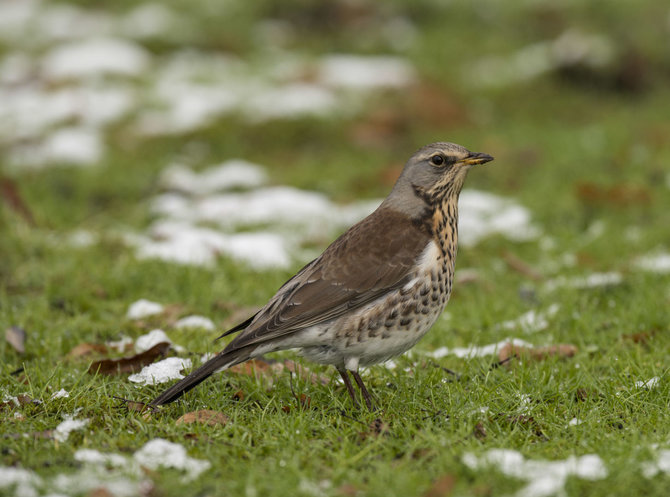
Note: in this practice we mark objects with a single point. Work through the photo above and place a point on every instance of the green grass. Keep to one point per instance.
(549, 136)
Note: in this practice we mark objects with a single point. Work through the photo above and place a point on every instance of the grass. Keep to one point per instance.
(550, 136)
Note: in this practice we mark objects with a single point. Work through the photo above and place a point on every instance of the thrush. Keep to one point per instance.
(375, 291)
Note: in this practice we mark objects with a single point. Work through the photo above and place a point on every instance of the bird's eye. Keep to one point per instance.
(437, 160)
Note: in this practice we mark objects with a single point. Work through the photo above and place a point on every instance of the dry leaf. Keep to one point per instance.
(620, 195)
(16, 337)
(204, 416)
(521, 266)
(84, 349)
(253, 367)
(536, 353)
(100, 492)
(480, 431)
(129, 364)
(302, 371)
(442, 487)
(9, 192)
(239, 395)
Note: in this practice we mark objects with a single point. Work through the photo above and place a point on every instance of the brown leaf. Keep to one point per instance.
(253, 367)
(348, 490)
(84, 349)
(442, 487)
(302, 371)
(642, 338)
(620, 195)
(129, 364)
(16, 337)
(9, 192)
(521, 266)
(100, 492)
(480, 431)
(239, 395)
(510, 350)
(204, 416)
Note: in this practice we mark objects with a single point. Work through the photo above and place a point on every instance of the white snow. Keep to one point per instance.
(91, 456)
(195, 322)
(74, 145)
(159, 453)
(294, 100)
(154, 337)
(661, 465)
(60, 394)
(63, 430)
(594, 280)
(143, 308)
(477, 350)
(95, 56)
(483, 214)
(22, 480)
(233, 173)
(121, 344)
(575, 422)
(654, 263)
(161, 371)
(531, 321)
(365, 72)
(544, 478)
(649, 384)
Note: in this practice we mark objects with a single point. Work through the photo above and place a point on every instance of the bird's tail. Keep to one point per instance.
(221, 361)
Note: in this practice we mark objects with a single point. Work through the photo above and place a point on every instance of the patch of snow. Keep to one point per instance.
(63, 430)
(154, 337)
(531, 321)
(649, 384)
(575, 422)
(60, 394)
(234, 173)
(475, 350)
(594, 280)
(22, 480)
(195, 322)
(544, 478)
(74, 145)
(120, 345)
(365, 72)
(661, 465)
(95, 56)
(161, 371)
(159, 453)
(483, 214)
(289, 101)
(656, 263)
(91, 456)
(143, 308)
(149, 20)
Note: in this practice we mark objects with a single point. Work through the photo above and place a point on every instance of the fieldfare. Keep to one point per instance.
(375, 291)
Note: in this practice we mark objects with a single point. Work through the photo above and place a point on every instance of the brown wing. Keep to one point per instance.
(373, 257)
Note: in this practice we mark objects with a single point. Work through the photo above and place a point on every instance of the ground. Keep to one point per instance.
(119, 120)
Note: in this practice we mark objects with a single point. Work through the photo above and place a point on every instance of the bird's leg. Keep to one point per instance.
(366, 395)
(350, 387)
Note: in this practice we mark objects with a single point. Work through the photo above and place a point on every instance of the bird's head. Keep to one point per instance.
(432, 175)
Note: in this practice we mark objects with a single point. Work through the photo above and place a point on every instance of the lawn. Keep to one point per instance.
(197, 154)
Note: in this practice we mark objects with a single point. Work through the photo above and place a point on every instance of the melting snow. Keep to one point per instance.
(649, 384)
(61, 394)
(161, 371)
(656, 263)
(195, 322)
(63, 430)
(160, 453)
(661, 465)
(234, 173)
(154, 337)
(594, 280)
(544, 478)
(532, 321)
(475, 350)
(143, 308)
(365, 72)
(95, 56)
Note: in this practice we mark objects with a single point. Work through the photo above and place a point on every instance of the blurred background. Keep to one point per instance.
(119, 121)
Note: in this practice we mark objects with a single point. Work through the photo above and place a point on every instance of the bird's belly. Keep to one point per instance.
(383, 329)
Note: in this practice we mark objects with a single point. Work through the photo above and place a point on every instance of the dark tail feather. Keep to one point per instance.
(237, 328)
(224, 359)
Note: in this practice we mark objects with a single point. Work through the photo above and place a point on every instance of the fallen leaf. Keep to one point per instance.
(204, 416)
(480, 431)
(348, 490)
(521, 266)
(510, 350)
(253, 367)
(302, 371)
(442, 487)
(239, 395)
(84, 349)
(9, 192)
(641, 338)
(129, 364)
(16, 337)
(620, 195)
(100, 492)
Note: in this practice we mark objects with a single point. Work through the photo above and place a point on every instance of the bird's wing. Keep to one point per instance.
(375, 256)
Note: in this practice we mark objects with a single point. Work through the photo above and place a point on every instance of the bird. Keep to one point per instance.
(375, 291)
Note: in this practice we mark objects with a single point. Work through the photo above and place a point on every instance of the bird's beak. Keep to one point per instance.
(476, 158)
